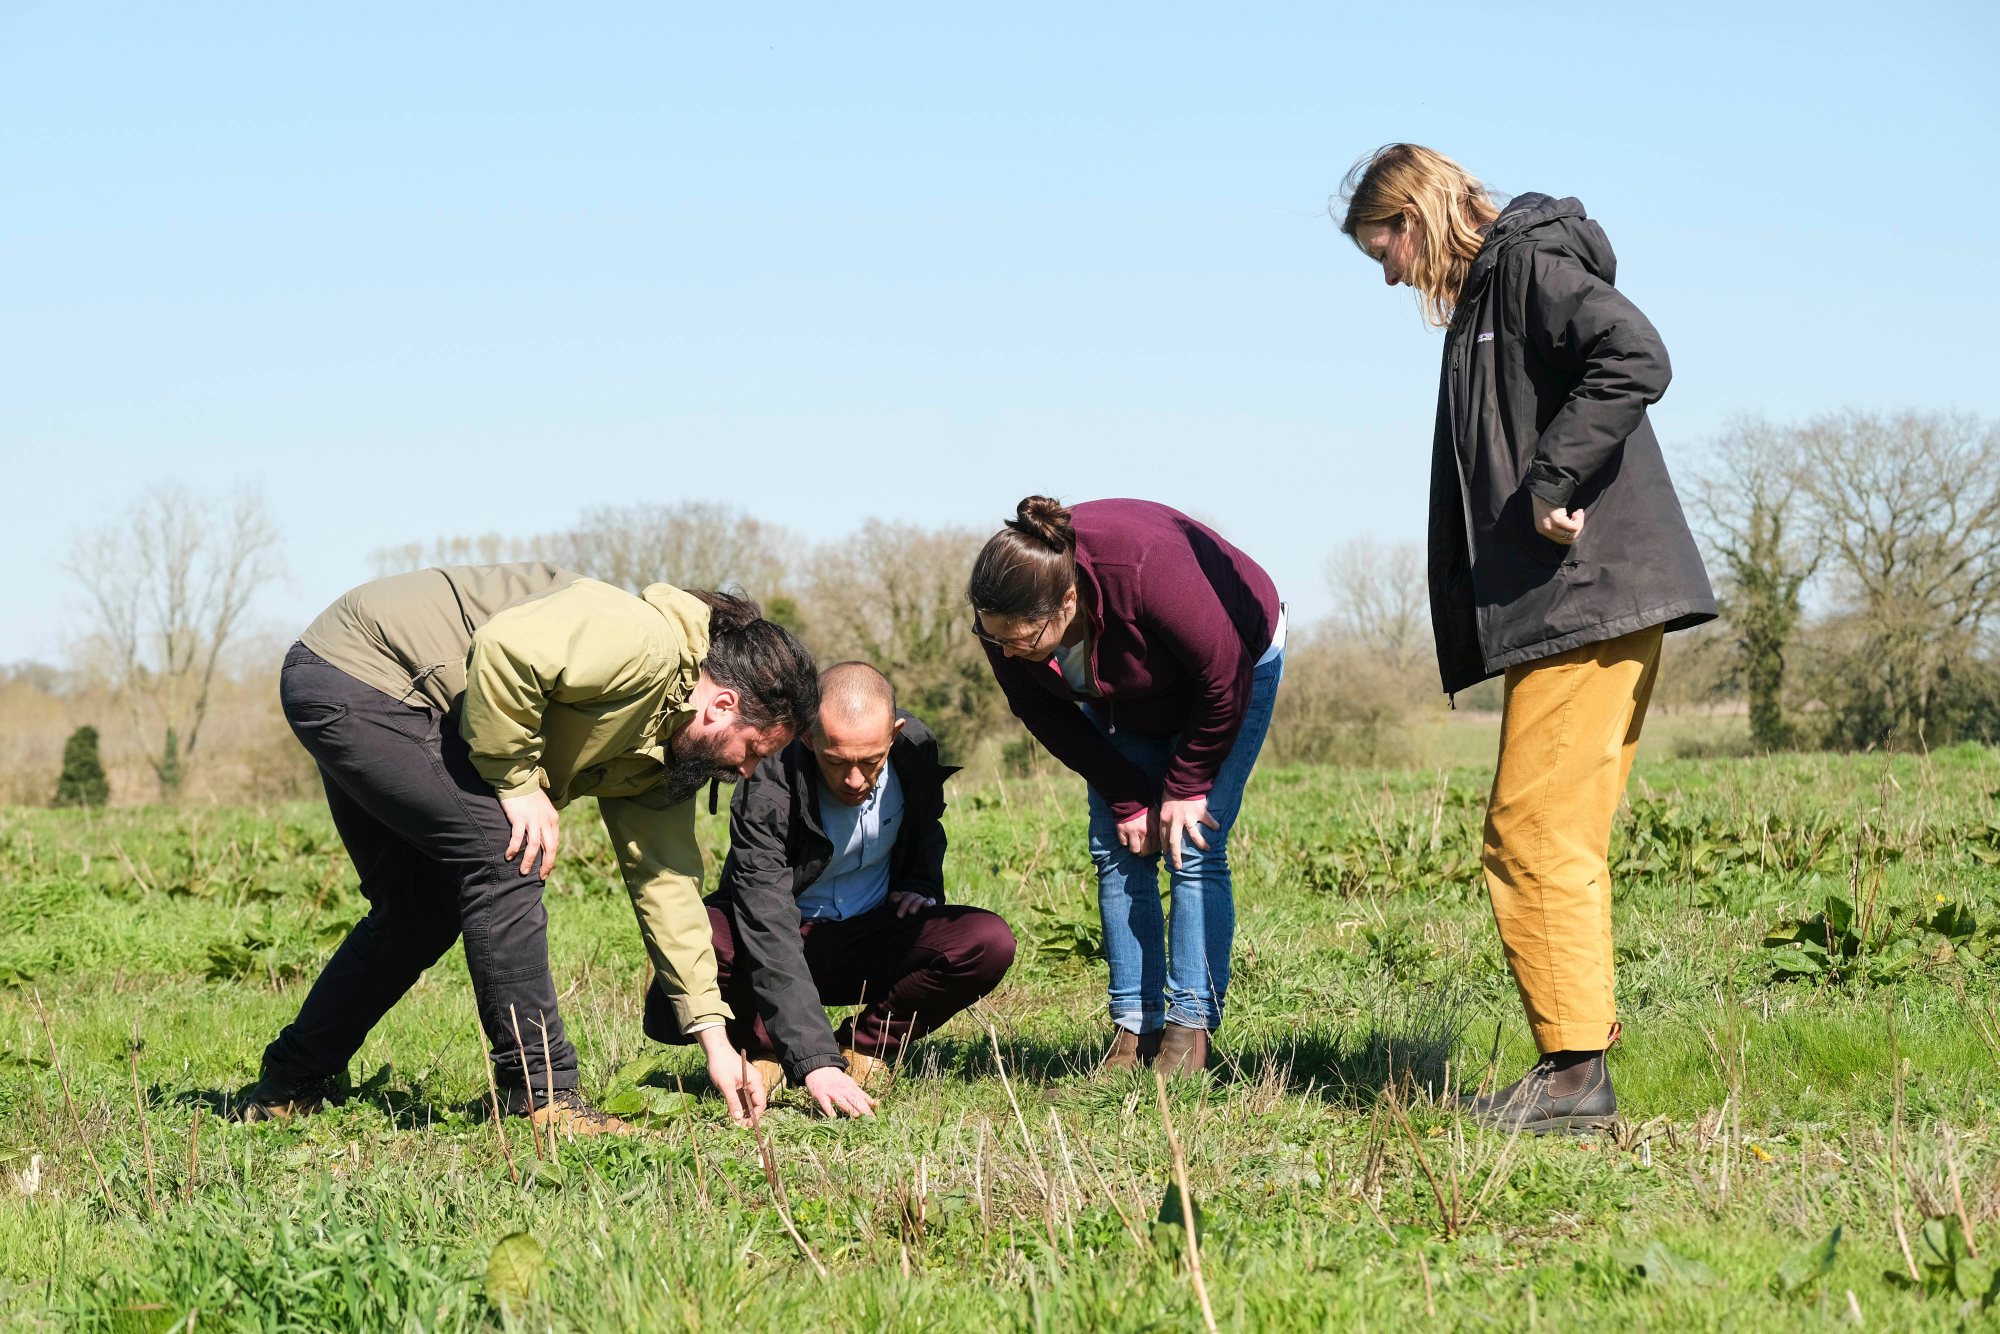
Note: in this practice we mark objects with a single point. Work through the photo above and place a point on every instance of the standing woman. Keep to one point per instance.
(1558, 556)
(1144, 652)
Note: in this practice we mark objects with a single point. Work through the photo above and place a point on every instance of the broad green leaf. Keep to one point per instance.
(1974, 1278)
(626, 1102)
(1810, 1264)
(1657, 1263)
(514, 1271)
(1170, 1210)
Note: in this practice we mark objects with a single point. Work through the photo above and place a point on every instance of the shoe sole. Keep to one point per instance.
(1568, 1125)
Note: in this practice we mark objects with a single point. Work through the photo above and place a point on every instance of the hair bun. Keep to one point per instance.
(1046, 519)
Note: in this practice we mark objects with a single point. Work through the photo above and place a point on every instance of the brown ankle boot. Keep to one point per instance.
(1183, 1051)
(1131, 1050)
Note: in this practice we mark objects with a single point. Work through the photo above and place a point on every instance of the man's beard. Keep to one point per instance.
(692, 763)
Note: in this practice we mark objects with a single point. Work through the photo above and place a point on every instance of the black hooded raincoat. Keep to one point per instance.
(1548, 371)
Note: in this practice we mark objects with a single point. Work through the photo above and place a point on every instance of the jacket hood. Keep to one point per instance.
(1558, 225)
(687, 614)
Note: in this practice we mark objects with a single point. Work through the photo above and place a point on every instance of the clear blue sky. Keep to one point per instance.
(478, 268)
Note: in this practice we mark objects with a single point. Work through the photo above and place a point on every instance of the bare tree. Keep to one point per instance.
(894, 595)
(1909, 507)
(167, 587)
(1381, 602)
(485, 549)
(1753, 508)
(690, 544)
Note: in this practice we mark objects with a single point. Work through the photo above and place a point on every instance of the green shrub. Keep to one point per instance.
(82, 782)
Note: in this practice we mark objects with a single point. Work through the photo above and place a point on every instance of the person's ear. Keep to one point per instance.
(893, 731)
(722, 705)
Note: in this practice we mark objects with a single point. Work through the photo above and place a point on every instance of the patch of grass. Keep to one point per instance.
(1766, 1108)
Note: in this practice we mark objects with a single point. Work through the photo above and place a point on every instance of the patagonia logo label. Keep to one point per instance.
(1486, 337)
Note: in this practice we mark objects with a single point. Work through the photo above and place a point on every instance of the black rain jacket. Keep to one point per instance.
(1548, 371)
(778, 848)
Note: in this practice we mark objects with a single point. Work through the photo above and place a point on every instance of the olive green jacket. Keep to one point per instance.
(568, 685)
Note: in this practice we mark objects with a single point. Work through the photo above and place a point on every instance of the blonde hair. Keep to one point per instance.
(1400, 182)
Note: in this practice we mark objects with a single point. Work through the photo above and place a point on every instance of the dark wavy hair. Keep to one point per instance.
(772, 673)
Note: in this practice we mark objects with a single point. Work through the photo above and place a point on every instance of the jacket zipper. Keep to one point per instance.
(1458, 470)
(1110, 705)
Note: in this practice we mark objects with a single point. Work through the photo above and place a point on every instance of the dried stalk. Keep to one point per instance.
(145, 1130)
(76, 1122)
(1187, 1203)
(493, 1097)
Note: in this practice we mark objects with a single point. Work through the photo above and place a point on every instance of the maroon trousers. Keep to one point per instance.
(913, 972)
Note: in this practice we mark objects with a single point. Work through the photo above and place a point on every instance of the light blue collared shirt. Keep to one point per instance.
(857, 879)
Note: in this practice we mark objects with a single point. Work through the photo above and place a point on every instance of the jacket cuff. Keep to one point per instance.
(1547, 484)
(796, 1071)
(706, 1011)
(1121, 811)
(518, 784)
(1173, 791)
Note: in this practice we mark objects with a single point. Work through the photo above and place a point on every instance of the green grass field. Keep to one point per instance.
(1806, 1125)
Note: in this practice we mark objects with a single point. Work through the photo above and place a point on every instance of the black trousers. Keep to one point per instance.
(429, 840)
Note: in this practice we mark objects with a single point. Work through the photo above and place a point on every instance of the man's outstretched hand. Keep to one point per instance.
(837, 1094)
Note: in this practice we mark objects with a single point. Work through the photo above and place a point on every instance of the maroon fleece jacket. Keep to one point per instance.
(1178, 618)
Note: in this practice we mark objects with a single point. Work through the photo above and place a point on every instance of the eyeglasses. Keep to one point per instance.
(1022, 645)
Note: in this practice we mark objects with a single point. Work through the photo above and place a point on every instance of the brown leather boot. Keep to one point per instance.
(867, 1071)
(1566, 1093)
(1131, 1050)
(1183, 1051)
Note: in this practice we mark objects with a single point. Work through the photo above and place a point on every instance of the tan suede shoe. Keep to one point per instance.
(865, 1070)
(768, 1070)
(568, 1112)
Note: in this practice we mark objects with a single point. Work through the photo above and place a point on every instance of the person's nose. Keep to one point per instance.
(1391, 275)
(748, 767)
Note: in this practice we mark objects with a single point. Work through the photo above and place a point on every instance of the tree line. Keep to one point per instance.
(1856, 557)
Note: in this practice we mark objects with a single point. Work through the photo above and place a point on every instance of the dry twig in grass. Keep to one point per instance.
(1187, 1203)
(76, 1122)
(145, 1129)
(493, 1098)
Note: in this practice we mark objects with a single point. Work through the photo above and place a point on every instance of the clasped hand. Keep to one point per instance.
(1145, 833)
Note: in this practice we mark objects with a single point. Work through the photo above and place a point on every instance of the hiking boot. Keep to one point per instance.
(277, 1096)
(865, 1070)
(1131, 1050)
(1566, 1093)
(566, 1110)
(1183, 1051)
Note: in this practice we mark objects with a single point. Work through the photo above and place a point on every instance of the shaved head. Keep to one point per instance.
(855, 694)
(857, 725)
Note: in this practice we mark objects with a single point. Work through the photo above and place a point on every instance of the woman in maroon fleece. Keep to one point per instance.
(1144, 652)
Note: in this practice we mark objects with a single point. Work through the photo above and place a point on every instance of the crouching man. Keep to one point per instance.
(833, 894)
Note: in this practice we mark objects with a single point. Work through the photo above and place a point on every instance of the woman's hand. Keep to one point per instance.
(741, 1086)
(837, 1094)
(1140, 835)
(534, 828)
(1556, 523)
(1184, 817)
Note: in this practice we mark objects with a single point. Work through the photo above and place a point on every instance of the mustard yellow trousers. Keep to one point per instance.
(1567, 734)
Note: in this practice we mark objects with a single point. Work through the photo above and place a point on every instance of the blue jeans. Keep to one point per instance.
(1175, 966)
